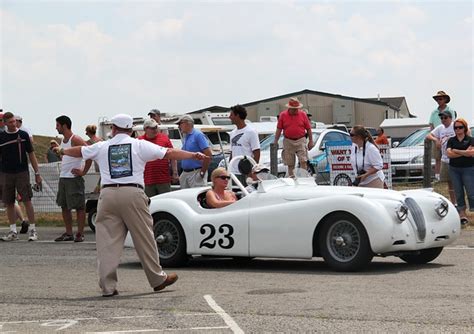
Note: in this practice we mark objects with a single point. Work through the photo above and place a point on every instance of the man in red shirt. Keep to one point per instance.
(157, 173)
(296, 127)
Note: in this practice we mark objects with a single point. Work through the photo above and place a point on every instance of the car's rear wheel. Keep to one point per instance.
(170, 239)
(422, 256)
(91, 218)
(344, 243)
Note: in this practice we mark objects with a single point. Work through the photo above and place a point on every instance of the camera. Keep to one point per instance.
(356, 182)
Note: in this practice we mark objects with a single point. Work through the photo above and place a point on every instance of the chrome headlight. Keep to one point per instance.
(417, 160)
(442, 208)
(402, 212)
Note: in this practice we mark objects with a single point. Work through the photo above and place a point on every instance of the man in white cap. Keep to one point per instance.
(440, 136)
(155, 114)
(442, 99)
(20, 126)
(295, 125)
(194, 173)
(123, 205)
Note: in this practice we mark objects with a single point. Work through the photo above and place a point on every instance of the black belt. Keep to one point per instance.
(190, 170)
(118, 185)
(294, 138)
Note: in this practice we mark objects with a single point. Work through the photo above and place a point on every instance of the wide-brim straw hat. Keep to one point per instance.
(294, 103)
(442, 94)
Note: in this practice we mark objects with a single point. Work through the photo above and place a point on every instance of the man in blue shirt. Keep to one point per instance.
(194, 172)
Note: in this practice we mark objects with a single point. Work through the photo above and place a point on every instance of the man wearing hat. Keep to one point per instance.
(442, 99)
(194, 173)
(123, 205)
(157, 172)
(295, 125)
(440, 136)
(155, 114)
(20, 126)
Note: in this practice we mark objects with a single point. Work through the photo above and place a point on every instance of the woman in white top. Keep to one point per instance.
(366, 159)
(219, 196)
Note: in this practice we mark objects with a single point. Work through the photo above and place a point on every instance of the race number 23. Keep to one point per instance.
(209, 241)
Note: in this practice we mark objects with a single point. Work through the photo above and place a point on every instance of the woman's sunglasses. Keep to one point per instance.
(459, 127)
(224, 177)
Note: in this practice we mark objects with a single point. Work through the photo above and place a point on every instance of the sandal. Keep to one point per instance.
(464, 221)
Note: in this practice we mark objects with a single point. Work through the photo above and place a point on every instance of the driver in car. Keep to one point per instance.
(219, 196)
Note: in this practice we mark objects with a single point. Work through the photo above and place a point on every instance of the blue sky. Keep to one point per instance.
(90, 59)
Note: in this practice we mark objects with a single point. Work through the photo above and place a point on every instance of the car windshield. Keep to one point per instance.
(265, 144)
(417, 138)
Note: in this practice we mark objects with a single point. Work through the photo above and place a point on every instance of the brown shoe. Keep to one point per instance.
(170, 279)
(115, 293)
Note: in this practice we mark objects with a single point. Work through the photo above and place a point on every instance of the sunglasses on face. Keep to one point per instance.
(223, 177)
(443, 117)
(439, 99)
(459, 127)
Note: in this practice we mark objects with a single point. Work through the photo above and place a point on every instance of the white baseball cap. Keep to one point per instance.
(123, 121)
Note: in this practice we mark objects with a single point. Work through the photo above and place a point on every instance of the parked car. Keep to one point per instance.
(346, 226)
(407, 157)
(317, 160)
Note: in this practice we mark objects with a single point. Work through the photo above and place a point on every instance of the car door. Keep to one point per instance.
(223, 231)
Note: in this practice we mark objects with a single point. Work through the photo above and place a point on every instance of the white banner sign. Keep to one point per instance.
(341, 172)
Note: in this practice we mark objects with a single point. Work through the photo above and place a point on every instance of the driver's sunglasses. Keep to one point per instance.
(224, 177)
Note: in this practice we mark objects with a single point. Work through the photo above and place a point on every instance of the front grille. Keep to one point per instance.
(417, 216)
(399, 162)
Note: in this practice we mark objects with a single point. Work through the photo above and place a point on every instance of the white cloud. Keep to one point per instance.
(323, 9)
(412, 14)
(152, 30)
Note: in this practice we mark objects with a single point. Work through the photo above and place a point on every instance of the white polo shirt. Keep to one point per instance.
(122, 159)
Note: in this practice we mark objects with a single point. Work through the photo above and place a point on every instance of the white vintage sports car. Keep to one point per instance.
(296, 218)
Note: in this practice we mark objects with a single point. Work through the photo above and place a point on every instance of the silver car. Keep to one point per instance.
(408, 157)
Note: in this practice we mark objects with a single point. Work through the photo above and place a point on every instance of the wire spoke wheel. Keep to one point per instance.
(343, 240)
(344, 243)
(170, 239)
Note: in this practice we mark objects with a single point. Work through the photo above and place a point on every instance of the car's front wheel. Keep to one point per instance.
(170, 239)
(422, 256)
(344, 243)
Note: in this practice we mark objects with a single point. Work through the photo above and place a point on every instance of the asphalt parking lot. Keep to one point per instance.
(52, 287)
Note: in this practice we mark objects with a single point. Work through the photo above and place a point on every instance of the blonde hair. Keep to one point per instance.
(218, 172)
(92, 129)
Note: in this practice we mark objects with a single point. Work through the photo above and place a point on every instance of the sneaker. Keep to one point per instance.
(24, 227)
(64, 237)
(33, 235)
(11, 236)
(79, 237)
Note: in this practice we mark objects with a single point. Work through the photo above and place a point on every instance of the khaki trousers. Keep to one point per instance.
(120, 210)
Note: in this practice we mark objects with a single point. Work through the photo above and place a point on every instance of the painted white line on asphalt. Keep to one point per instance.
(460, 247)
(133, 316)
(227, 318)
(159, 330)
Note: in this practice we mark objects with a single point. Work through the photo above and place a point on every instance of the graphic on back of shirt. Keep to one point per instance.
(120, 161)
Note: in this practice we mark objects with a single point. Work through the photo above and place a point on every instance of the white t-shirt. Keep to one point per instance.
(122, 159)
(372, 158)
(443, 134)
(243, 142)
